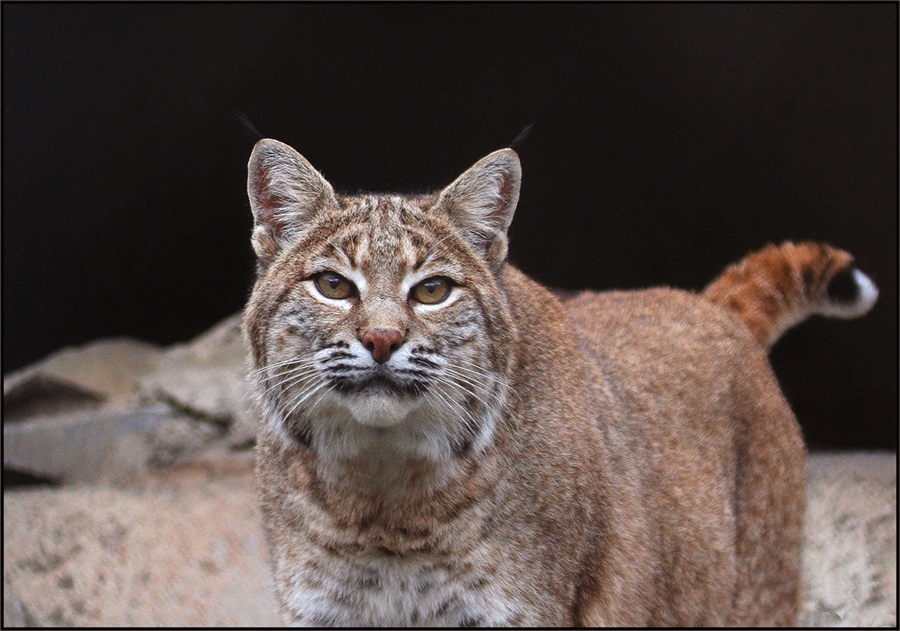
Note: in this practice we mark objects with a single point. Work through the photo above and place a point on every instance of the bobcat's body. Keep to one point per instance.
(498, 457)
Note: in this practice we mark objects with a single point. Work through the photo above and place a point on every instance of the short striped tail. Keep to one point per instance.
(779, 286)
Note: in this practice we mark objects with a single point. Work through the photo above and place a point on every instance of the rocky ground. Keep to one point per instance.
(149, 516)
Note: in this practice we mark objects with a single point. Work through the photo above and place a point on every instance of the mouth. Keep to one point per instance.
(379, 383)
(379, 399)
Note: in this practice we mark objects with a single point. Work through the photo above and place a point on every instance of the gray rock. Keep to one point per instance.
(83, 448)
(14, 612)
(111, 408)
(180, 437)
(184, 551)
(206, 379)
(43, 395)
(107, 371)
(850, 553)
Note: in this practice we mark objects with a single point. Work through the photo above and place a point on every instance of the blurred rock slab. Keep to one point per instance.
(101, 374)
(206, 378)
(187, 550)
(850, 553)
(86, 448)
(114, 407)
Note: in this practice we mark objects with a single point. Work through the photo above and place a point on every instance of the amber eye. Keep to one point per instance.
(431, 290)
(334, 286)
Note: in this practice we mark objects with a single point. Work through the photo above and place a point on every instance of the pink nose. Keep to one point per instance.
(382, 342)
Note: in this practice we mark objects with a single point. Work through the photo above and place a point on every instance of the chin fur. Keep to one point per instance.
(380, 410)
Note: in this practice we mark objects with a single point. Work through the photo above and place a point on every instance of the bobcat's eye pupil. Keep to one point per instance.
(335, 286)
(431, 290)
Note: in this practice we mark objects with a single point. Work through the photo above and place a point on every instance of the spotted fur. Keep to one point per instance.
(498, 457)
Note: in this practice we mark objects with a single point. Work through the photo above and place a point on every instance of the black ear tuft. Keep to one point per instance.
(843, 287)
(516, 144)
(248, 126)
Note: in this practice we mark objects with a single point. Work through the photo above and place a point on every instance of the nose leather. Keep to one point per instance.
(382, 342)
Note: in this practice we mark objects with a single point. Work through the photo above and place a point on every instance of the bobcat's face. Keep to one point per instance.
(382, 315)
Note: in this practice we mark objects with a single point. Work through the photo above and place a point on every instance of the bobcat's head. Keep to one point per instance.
(377, 314)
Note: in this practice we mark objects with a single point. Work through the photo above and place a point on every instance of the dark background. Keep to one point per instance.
(669, 141)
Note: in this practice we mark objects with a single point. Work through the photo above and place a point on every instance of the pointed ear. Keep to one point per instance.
(285, 193)
(481, 202)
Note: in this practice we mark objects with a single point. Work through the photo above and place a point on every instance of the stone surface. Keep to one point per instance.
(206, 379)
(106, 370)
(114, 408)
(83, 448)
(850, 555)
(183, 550)
(14, 612)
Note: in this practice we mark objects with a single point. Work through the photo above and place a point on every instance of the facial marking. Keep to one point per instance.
(432, 388)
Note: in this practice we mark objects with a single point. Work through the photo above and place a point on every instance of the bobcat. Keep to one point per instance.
(447, 443)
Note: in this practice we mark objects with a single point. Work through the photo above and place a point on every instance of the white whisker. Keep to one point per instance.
(470, 422)
(307, 392)
(290, 380)
(293, 360)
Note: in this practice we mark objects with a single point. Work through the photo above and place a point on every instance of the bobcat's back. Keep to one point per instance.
(705, 423)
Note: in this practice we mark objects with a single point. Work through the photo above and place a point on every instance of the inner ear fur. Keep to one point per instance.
(482, 201)
(285, 193)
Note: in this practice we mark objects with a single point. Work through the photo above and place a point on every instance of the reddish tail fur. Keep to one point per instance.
(780, 286)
